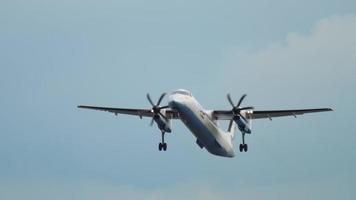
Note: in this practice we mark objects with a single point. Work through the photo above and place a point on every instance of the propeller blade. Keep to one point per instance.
(230, 100)
(149, 99)
(160, 99)
(240, 101)
(243, 117)
(164, 117)
(156, 110)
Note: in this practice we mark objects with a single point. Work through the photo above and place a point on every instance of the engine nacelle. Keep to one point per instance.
(162, 124)
(242, 124)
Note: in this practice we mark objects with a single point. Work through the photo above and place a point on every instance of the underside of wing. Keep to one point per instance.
(171, 114)
(259, 114)
(127, 111)
(222, 115)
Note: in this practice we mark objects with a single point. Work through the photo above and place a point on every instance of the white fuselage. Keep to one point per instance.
(200, 123)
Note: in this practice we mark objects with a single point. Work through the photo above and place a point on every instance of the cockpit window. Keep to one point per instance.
(183, 92)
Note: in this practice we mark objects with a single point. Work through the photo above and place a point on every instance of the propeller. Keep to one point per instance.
(156, 109)
(236, 110)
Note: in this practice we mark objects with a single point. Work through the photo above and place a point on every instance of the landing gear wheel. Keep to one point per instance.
(164, 146)
(160, 146)
(245, 147)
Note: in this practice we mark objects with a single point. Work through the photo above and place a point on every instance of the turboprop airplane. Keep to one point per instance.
(203, 123)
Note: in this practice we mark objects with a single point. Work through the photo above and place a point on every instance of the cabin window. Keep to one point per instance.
(183, 92)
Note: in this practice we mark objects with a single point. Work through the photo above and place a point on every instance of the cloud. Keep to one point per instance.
(324, 60)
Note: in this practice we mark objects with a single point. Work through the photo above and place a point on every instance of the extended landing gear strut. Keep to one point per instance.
(162, 145)
(243, 146)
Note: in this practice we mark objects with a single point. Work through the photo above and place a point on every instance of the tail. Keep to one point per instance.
(232, 129)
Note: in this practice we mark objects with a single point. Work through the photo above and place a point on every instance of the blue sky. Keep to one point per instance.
(55, 55)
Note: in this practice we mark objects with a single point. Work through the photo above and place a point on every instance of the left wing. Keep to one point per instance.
(171, 114)
(258, 114)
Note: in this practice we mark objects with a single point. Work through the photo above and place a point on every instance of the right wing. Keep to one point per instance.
(171, 114)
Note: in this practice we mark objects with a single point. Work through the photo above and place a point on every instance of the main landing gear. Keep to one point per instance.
(243, 146)
(162, 145)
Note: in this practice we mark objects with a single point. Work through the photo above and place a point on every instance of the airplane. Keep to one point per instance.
(203, 123)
